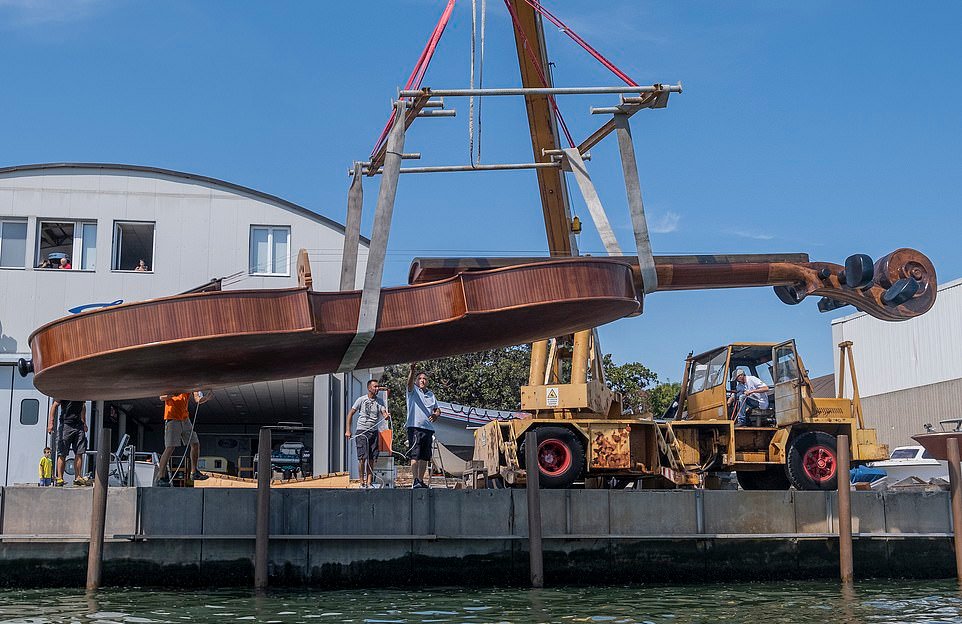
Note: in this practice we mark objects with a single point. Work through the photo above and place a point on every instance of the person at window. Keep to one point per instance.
(370, 409)
(179, 431)
(423, 410)
(750, 391)
(45, 265)
(71, 436)
(65, 263)
(141, 266)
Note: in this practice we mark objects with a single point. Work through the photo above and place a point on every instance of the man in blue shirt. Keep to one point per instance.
(423, 410)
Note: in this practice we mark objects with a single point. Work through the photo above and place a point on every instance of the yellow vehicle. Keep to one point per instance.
(792, 442)
(582, 434)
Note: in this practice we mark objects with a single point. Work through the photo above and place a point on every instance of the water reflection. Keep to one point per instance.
(782, 603)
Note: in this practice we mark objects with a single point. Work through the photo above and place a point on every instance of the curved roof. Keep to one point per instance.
(310, 214)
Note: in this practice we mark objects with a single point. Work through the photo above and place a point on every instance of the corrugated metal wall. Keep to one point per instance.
(897, 356)
(899, 415)
(909, 373)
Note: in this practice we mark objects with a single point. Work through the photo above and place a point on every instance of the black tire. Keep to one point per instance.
(813, 461)
(772, 478)
(561, 457)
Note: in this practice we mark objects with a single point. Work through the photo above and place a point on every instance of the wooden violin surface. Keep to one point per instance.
(223, 338)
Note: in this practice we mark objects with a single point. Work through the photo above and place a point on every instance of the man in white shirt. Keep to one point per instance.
(370, 410)
(750, 391)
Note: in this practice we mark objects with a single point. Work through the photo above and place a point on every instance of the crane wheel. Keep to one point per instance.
(813, 461)
(561, 457)
(772, 478)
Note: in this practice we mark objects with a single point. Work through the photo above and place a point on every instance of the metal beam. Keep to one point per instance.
(655, 88)
(449, 168)
(544, 131)
(636, 206)
(352, 231)
(371, 295)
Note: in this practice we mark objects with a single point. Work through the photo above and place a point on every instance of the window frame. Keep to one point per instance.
(115, 249)
(26, 225)
(76, 245)
(251, 266)
(23, 404)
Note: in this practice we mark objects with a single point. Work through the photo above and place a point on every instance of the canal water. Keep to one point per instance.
(782, 603)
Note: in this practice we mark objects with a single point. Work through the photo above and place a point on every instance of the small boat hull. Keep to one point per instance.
(935, 443)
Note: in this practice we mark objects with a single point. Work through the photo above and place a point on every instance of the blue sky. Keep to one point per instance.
(820, 127)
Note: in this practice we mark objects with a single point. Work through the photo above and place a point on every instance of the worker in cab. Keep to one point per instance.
(750, 392)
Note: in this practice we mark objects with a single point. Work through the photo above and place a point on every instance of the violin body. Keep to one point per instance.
(224, 338)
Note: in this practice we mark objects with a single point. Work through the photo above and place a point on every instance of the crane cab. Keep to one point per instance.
(789, 440)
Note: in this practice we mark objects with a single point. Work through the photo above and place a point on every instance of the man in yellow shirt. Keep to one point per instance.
(179, 431)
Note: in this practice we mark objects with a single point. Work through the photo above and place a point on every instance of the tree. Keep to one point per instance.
(632, 380)
(662, 396)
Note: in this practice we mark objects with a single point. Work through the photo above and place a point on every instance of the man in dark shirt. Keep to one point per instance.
(71, 435)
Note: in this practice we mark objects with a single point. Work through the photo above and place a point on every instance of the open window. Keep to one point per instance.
(133, 246)
(13, 244)
(67, 245)
(270, 250)
(793, 400)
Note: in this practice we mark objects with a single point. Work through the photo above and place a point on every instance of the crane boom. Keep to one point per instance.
(544, 132)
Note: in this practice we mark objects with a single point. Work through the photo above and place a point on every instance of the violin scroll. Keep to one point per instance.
(897, 287)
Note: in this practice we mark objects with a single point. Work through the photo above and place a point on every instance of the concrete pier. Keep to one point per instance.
(473, 537)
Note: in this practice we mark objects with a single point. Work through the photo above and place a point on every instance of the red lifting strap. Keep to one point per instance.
(417, 74)
(536, 5)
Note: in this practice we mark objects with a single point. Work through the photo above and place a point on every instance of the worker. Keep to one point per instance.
(71, 436)
(750, 391)
(371, 409)
(179, 431)
(423, 410)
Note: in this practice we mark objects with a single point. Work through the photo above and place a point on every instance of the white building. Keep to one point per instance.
(909, 373)
(187, 230)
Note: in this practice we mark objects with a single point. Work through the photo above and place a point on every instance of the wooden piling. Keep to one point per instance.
(98, 513)
(844, 477)
(533, 487)
(263, 529)
(955, 487)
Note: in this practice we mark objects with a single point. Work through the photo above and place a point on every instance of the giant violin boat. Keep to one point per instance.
(454, 305)
(229, 337)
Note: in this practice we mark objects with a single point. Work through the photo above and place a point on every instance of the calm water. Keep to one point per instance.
(784, 603)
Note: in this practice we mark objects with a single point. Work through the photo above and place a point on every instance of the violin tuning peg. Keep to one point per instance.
(827, 304)
(900, 292)
(859, 270)
(788, 295)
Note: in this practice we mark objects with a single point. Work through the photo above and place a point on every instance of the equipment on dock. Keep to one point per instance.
(582, 433)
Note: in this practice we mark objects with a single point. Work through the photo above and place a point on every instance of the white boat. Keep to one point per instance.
(455, 427)
(912, 461)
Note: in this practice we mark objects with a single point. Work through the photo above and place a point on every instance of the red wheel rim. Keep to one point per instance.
(554, 457)
(820, 463)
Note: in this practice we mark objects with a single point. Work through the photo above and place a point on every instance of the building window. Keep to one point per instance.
(67, 245)
(29, 412)
(13, 244)
(133, 246)
(270, 250)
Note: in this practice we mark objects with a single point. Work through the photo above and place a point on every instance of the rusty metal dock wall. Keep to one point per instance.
(382, 538)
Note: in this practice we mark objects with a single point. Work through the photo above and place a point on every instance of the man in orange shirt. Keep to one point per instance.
(179, 431)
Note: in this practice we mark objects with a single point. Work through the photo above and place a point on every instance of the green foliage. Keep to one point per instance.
(640, 391)
(662, 396)
(631, 379)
